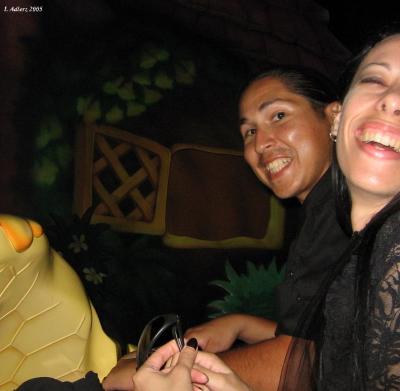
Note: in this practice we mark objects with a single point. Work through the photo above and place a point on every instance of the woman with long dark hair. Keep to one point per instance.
(356, 324)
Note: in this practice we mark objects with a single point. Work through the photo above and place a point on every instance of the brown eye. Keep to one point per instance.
(279, 115)
(250, 132)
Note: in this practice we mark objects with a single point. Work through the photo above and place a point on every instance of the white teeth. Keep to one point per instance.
(277, 165)
(383, 139)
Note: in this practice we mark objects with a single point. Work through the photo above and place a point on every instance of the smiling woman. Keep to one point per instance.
(286, 132)
(358, 303)
(369, 136)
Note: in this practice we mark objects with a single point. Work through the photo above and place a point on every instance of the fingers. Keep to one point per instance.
(211, 362)
(200, 334)
(200, 387)
(188, 354)
(161, 355)
(198, 376)
(219, 381)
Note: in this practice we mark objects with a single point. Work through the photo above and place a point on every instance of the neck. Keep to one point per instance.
(365, 207)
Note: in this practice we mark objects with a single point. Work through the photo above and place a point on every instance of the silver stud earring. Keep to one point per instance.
(333, 137)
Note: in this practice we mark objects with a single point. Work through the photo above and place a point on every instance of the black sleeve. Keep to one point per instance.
(89, 383)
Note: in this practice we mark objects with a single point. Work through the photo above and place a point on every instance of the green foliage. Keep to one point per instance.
(142, 78)
(134, 109)
(53, 153)
(92, 112)
(185, 72)
(252, 293)
(50, 128)
(45, 172)
(151, 96)
(114, 115)
(129, 92)
(163, 81)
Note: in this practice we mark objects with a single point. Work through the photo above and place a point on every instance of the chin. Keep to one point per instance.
(283, 194)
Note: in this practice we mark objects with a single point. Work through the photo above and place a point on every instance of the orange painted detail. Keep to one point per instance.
(20, 232)
(37, 229)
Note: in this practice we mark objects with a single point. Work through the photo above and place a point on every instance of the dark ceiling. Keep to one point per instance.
(262, 31)
(353, 21)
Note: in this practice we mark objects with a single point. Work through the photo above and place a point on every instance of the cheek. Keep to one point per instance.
(342, 155)
(346, 147)
(311, 145)
(250, 156)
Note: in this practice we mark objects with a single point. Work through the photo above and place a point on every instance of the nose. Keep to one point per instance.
(263, 140)
(390, 103)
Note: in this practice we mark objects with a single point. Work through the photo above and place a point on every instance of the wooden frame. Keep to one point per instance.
(101, 148)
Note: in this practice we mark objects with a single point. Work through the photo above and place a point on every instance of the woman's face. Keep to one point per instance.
(286, 142)
(368, 142)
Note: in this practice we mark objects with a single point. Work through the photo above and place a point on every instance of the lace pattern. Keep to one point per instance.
(350, 357)
(381, 351)
(383, 334)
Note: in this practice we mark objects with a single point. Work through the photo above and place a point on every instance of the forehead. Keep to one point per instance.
(264, 86)
(388, 50)
(263, 90)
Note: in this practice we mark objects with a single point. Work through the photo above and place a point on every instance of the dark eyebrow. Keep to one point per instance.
(267, 103)
(263, 106)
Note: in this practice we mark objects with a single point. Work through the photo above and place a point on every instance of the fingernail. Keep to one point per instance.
(192, 343)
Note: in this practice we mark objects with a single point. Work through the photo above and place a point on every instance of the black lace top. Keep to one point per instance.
(380, 351)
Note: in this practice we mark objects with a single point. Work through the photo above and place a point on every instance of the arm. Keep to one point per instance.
(219, 334)
(120, 377)
(246, 361)
(259, 365)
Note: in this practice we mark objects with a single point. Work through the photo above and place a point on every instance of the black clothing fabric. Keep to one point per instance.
(316, 248)
(372, 363)
(358, 346)
(89, 383)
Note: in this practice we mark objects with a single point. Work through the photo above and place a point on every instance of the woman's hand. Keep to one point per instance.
(178, 377)
(219, 334)
(210, 373)
(220, 376)
(216, 335)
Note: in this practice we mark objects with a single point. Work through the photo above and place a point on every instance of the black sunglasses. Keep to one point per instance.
(153, 331)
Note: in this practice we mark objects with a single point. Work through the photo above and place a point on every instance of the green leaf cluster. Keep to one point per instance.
(131, 92)
(252, 292)
(53, 153)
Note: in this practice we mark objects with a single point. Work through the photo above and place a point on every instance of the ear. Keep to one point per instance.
(333, 113)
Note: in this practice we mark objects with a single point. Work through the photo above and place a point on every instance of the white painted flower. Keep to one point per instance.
(78, 244)
(92, 275)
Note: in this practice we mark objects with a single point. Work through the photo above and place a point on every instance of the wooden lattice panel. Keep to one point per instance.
(124, 177)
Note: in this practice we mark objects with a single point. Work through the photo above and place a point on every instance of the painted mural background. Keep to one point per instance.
(170, 71)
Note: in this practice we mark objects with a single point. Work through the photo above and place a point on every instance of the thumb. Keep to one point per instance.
(188, 354)
(187, 359)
